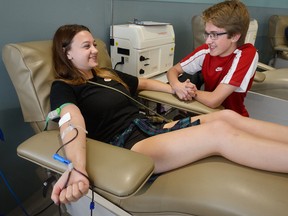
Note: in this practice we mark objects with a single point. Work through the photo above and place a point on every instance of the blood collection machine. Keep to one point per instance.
(143, 50)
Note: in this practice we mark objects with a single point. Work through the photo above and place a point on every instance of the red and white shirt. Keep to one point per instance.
(237, 69)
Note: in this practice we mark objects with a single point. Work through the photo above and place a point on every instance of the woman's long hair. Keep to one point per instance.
(64, 68)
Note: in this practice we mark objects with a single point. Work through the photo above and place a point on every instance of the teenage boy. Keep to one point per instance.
(227, 64)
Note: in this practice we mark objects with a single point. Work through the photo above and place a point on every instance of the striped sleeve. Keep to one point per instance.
(193, 62)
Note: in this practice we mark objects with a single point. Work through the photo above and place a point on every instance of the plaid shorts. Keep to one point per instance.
(142, 128)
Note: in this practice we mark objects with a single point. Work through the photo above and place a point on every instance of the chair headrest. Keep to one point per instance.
(198, 28)
(30, 68)
(277, 25)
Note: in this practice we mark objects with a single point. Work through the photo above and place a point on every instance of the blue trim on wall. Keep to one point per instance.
(1, 135)
(249, 3)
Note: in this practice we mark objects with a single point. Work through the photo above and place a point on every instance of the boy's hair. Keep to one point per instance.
(232, 15)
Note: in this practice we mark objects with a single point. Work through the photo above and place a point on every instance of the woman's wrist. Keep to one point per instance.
(172, 90)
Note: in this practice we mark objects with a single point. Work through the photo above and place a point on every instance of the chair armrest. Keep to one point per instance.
(116, 171)
(264, 66)
(259, 77)
(169, 99)
(281, 48)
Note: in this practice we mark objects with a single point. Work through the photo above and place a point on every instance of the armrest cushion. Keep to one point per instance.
(259, 77)
(264, 67)
(281, 48)
(169, 99)
(116, 171)
(274, 85)
(213, 186)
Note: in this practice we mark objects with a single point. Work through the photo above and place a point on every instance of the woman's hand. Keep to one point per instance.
(185, 90)
(77, 186)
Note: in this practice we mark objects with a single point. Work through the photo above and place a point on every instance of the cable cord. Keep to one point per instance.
(18, 200)
(13, 193)
(91, 185)
(92, 203)
(69, 141)
(119, 63)
(40, 212)
(131, 98)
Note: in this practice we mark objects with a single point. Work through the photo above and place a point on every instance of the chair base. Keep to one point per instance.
(102, 207)
(281, 63)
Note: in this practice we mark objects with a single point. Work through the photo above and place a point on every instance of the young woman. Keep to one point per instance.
(110, 116)
(226, 63)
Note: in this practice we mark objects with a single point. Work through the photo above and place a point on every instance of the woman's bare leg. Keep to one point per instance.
(260, 128)
(179, 148)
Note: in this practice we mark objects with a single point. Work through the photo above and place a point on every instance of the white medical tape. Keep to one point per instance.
(66, 131)
(79, 127)
(70, 167)
(65, 118)
(70, 128)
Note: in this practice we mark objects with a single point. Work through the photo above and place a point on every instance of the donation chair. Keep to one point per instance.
(122, 179)
(277, 26)
(270, 87)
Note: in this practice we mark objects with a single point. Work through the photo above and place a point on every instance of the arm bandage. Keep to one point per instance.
(70, 128)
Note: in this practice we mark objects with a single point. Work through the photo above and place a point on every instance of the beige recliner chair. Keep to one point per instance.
(277, 26)
(212, 186)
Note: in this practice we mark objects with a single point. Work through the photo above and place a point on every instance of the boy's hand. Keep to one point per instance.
(185, 90)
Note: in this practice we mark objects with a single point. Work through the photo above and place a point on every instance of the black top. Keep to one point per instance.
(106, 111)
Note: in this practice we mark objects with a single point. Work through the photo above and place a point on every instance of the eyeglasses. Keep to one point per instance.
(213, 35)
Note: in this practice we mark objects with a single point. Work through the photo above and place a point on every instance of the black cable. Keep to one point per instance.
(119, 63)
(91, 185)
(40, 212)
(59, 209)
(69, 141)
(69, 174)
(92, 204)
(131, 98)
(20, 204)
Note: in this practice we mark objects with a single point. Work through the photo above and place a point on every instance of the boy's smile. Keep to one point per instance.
(220, 44)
